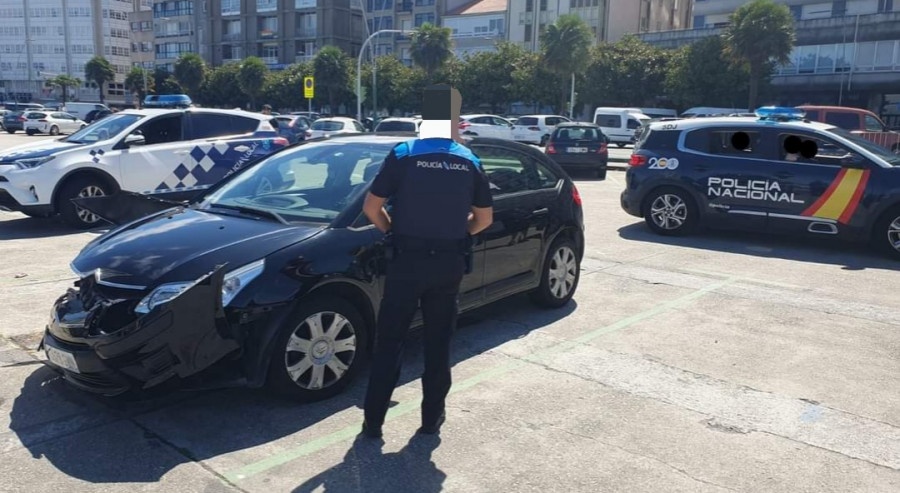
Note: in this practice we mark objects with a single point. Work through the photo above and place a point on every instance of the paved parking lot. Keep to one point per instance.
(718, 362)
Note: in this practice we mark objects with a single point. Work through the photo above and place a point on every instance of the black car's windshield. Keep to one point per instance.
(105, 129)
(576, 133)
(313, 183)
(881, 152)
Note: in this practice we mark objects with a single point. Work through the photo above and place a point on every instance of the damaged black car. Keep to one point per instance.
(273, 277)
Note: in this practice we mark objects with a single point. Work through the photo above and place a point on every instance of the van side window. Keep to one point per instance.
(812, 115)
(633, 124)
(847, 121)
(736, 143)
(608, 121)
(873, 125)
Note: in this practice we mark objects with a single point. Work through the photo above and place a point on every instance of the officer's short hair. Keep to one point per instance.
(441, 102)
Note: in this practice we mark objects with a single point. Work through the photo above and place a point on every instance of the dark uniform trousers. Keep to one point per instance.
(423, 271)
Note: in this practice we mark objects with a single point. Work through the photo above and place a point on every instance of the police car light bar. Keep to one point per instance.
(779, 113)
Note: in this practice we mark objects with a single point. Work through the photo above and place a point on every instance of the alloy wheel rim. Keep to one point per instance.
(317, 357)
(563, 269)
(668, 211)
(83, 214)
(893, 233)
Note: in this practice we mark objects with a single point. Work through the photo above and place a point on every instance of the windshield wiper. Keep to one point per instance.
(253, 212)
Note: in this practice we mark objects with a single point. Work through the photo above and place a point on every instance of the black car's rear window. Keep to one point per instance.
(396, 127)
(577, 133)
(35, 115)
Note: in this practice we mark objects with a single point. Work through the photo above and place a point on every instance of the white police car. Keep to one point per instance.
(173, 154)
(778, 173)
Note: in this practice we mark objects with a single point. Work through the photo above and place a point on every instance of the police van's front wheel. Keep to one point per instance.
(670, 211)
(886, 233)
(80, 187)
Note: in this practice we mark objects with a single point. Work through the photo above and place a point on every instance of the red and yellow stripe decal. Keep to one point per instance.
(840, 200)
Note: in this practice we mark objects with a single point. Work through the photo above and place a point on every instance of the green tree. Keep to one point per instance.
(64, 82)
(564, 47)
(190, 72)
(701, 74)
(135, 81)
(165, 83)
(431, 47)
(222, 87)
(627, 73)
(99, 71)
(487, 77)
(534, 83)
(759, 32)
(392, 79)
(252, 77)
(284, 89)
(334, 72)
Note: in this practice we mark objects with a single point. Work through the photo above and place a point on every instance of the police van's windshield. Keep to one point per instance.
(881, 152)
(313, 183)
(104, 129)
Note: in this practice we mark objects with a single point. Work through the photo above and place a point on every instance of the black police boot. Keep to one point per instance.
(433, 428)
(371, 431)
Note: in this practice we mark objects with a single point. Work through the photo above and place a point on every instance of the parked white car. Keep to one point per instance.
(81, 110)
(491, 126)
(620, 124)
(51, 122)
(171, 154)
(324, 127)
(536, 129)
(399, 125)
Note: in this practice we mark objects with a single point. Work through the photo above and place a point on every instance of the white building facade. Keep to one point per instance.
(477, 26)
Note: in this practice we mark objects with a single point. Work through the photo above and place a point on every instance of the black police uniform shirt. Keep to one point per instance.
(433, 184)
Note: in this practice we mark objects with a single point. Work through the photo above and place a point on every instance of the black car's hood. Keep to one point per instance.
(184, 244)
(35, 150)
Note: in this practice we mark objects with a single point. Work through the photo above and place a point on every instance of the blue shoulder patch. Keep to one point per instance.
(465, 152)
(401, 150)
(427, 146)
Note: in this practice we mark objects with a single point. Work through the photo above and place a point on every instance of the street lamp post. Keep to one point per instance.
(362, 51)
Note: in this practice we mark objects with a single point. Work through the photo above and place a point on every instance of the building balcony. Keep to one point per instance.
(231, 59)
(268, 34)
(270, 60)
(232, 36)
(404, 6)
(305, 33)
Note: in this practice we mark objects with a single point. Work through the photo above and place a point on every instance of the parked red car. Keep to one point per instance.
(858, 121)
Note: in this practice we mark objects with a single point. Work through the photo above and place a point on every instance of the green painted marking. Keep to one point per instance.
(410, 406)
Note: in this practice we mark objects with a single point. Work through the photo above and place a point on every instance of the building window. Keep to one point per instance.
(231, 7)
(269, 53)
(796, 11)
(268, 27)
(306, 25)
(543, 5)
(839, 8)
(172, 9)
(528, 29)
(496, 25)
(529, 5)
(230, 52)
(424, 3)
(885, 5)
(266, 5)
(423, 18)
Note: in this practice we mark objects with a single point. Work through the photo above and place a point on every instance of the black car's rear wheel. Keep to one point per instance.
(319, 351)
(670, 211)
(560, 274)
(886, 233)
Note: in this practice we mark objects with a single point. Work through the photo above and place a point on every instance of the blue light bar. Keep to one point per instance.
(779, 113)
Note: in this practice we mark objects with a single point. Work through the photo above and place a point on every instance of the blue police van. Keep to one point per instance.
(776, 172)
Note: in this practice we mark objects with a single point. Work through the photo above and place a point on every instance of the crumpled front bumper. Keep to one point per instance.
(113, 350)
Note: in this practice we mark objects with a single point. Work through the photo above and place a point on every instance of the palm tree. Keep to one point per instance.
(190, 71)
(565, 46)
(100, 71)
(64, 82)
(759, 32)
(431, 47)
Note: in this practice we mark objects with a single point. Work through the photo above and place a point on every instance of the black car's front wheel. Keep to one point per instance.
(560, 274)
(670, 211)
(319, 351)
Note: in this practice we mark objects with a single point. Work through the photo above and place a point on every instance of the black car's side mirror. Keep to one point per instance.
(135, 140)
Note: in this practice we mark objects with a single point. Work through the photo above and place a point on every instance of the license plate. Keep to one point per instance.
(577, 150)
(62, 358)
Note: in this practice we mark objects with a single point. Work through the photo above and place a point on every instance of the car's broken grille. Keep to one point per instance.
(108, 309)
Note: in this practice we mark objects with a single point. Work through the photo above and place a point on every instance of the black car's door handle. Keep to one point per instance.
(541, 212)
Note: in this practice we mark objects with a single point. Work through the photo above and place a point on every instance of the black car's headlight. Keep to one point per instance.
(232, 284)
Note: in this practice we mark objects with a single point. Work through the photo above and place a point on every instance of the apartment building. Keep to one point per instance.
(282, 32)
(40, 39)
(142, 38)
(846, 52)
(609, 20)
(477, 26)
(179, 27)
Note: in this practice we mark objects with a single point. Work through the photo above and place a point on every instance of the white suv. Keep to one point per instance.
(491, 126)
(173, 154)
(536, 129)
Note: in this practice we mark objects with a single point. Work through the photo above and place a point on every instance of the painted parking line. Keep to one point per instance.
(407, 407)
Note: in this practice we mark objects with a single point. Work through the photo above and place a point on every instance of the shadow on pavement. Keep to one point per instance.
(367, 468)
(851, 256)
(66, 427)
(21, 227)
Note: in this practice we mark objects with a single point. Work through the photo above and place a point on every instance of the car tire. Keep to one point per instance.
(882, 237)
(30, 132)
(670, 211)
(560, 273)
(54, 130)
(297, 334)
(84, 186)
(601, 174)
(10, 131)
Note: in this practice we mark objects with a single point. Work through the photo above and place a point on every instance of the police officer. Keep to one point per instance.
(439, 198)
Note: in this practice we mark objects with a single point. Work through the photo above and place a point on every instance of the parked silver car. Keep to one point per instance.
(51, 122)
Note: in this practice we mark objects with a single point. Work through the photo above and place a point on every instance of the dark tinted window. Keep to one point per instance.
(328, 126)
(396, 127)
(734, 142)
(527, 121)
(577, 133)
(633, 124)
(242, 125)
(482, 120)
(697, 140)
(544, 177)
(812, 115)
(804, 148)
(33, 115)
(505, 170)
(873, 125)
(847, 121)
(210, 125)
(609, 121)
(659, 141)
(161, 130)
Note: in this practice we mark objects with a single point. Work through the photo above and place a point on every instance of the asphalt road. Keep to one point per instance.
(718, 362)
